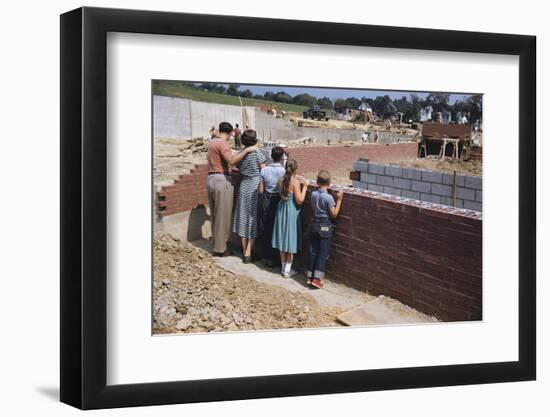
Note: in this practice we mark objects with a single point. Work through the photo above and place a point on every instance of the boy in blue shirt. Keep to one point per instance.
(270, 176)
(324, 209)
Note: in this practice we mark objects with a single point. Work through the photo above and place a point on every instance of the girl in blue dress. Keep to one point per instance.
(287, 233)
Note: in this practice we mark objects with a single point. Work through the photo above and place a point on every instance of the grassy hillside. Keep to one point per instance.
(172, 90)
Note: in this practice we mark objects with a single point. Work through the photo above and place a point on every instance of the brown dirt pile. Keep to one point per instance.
(446, 164)
(191, 293)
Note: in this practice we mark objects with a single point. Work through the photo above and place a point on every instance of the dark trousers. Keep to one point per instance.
(238, 141)
(320, 238)
(268, 211)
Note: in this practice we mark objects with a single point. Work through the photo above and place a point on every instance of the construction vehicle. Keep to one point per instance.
(315, 112)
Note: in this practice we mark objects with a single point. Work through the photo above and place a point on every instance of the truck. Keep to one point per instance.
(315, 112)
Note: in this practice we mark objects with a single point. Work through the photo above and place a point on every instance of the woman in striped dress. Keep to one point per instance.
(245, 219)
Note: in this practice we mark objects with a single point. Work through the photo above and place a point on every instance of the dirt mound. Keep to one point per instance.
(435, 163)
(191, 293)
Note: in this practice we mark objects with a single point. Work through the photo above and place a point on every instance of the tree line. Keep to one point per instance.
(384, 106)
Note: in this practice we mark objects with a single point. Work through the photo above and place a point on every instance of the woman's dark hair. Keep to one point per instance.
(277, 153)
(248, 138)
(225, 127)
(291, 167)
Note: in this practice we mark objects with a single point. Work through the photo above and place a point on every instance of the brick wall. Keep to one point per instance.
(425, 255)
(419, 184)
(312, 159)
(187, 192)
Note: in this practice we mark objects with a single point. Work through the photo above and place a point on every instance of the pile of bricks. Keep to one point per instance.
(418, 184)
(425, 255)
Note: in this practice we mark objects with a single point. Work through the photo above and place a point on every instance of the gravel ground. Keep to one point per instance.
(192, 294)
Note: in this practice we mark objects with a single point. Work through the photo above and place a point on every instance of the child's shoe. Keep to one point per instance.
(317, 283)
(290, 274)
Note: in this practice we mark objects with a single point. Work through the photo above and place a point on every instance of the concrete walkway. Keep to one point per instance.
(358, 308)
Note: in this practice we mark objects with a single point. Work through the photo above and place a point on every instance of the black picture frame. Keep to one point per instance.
(84, 207)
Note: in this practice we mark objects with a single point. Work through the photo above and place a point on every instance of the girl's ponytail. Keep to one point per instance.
(291, 167)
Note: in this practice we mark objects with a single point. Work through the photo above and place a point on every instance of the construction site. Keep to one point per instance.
(408, 243)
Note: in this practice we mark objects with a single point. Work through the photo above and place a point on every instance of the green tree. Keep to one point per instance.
(325, 103)
(304, 99)
(283, 97)
(340, 105)
(383, 106)
(438, 101)
(233, 89)
(353, 102)
(246, 93)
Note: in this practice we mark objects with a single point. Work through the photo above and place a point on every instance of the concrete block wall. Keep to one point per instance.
(179, 118)
(425, 255)
(431, 186)
(171, 118)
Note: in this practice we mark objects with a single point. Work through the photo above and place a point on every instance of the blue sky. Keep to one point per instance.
(335, 93)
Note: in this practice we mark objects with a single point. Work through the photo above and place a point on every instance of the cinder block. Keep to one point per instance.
(394, 171)
(473, 182)
(402, 183)
(392, 190)
(360, 166)
(368, 178)
(413, 174)
(431, 198)
(465, 193)
(376, 169)
(448, 201)
(432, 176)
(448, 180)
(410, 194)
(479, 195)
(374, 187)
(359, 184)
(440, 189)
(423, 187)
(384, 180)
(472, 205)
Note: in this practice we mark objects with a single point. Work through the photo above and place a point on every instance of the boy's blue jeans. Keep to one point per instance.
(319, 247)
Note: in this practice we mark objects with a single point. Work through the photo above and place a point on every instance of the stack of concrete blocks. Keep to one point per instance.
(418, 184)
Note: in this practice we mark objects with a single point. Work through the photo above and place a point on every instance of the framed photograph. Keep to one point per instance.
(257, 208)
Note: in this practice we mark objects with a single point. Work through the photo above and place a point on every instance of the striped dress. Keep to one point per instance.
(245, 218)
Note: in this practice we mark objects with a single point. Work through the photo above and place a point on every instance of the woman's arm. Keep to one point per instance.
(261, 186)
